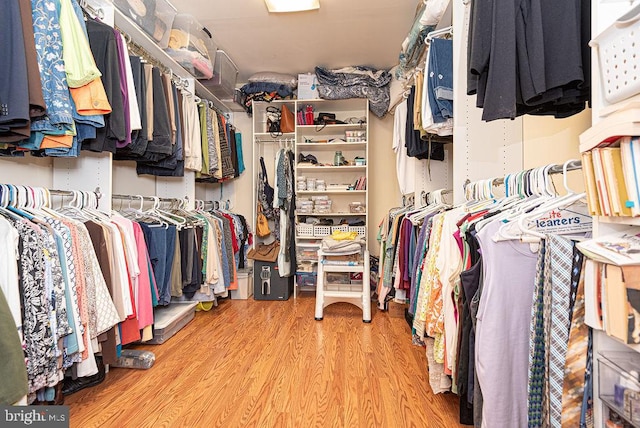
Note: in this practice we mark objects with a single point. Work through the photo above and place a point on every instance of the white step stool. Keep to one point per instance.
(355, 294)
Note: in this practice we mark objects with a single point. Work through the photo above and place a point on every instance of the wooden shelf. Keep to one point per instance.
(630, 221)
(307, 168)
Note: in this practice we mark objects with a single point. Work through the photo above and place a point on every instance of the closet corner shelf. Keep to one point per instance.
(623, 122)
(275, 139)
(331, 129)
(309, 168)
(629, 221)
(331, 214)
(332, 146)
(139, 37)
(331, 192)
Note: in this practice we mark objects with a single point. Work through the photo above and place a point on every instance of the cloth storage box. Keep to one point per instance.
(155, 17)
(245, 285)
(192, 46)
(225, 75)
(267, 283)
(618, 67)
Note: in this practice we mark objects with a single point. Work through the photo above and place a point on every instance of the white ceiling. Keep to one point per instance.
(340, 33)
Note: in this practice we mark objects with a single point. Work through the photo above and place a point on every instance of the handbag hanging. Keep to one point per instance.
(273, 120)
(287, 120)
(265, 253)
(262, 224)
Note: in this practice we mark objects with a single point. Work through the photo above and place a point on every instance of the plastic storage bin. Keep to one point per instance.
(225, 75)
(192, 46)
(360, 230)
(135, 359)
(155, 17)
(321, 230)
(245, 285)
(307, 252)
(618, 68)
(619, 387)
(304, 229)
(306, 279)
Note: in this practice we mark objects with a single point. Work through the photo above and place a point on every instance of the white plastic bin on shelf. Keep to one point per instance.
(245, 285)
(155, 17)
(225, 75)
(619, 57)
(192, 46)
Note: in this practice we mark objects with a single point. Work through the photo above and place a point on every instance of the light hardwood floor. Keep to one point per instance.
(270, 364)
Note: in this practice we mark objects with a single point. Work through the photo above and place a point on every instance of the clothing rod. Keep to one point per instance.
(146, 198)
(72, 192)
(556, 169)
(436, 33)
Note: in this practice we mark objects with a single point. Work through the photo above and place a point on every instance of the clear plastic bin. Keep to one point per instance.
(225, 75)
(155, 17)
(619, 385)
(135, 359)
(192, 46)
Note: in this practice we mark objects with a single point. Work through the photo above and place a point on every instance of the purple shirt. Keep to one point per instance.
(124, 89)
(502, 330)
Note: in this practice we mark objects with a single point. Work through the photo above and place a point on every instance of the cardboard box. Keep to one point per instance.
(308, 87)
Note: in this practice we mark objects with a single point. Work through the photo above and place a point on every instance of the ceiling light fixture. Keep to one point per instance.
(277, 6)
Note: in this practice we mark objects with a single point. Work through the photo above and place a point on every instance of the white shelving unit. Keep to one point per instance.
(604, 13)
(319, 141)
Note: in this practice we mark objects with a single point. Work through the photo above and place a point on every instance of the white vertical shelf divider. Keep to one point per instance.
(88, 172)
(441, 176)
(480, 149)
(603, 14)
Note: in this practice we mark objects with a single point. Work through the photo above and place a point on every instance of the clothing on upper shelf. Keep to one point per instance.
(73, 85)
(529, 58)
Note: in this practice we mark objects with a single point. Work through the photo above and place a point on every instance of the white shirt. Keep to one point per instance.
(405, 166)
(193, 138)
(134, 110)
(9, 282)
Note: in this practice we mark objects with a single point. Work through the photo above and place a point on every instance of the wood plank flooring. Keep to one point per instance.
(270, 364)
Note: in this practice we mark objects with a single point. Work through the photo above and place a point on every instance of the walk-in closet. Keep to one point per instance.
(320, 213)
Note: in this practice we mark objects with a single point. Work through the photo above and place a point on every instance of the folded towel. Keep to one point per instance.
(331, 246)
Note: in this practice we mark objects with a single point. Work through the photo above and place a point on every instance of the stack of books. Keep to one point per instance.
(612, 176)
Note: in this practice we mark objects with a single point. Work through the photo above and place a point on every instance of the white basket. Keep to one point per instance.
(341, 228)
(321, 230)
(360, 230)
(304, 229)
(619, 57)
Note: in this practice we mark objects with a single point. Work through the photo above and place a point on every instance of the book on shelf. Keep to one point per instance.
(590, 183)
(614, 174)
(620, 248)
(612, 179)
(630, 157)
(601, 183)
